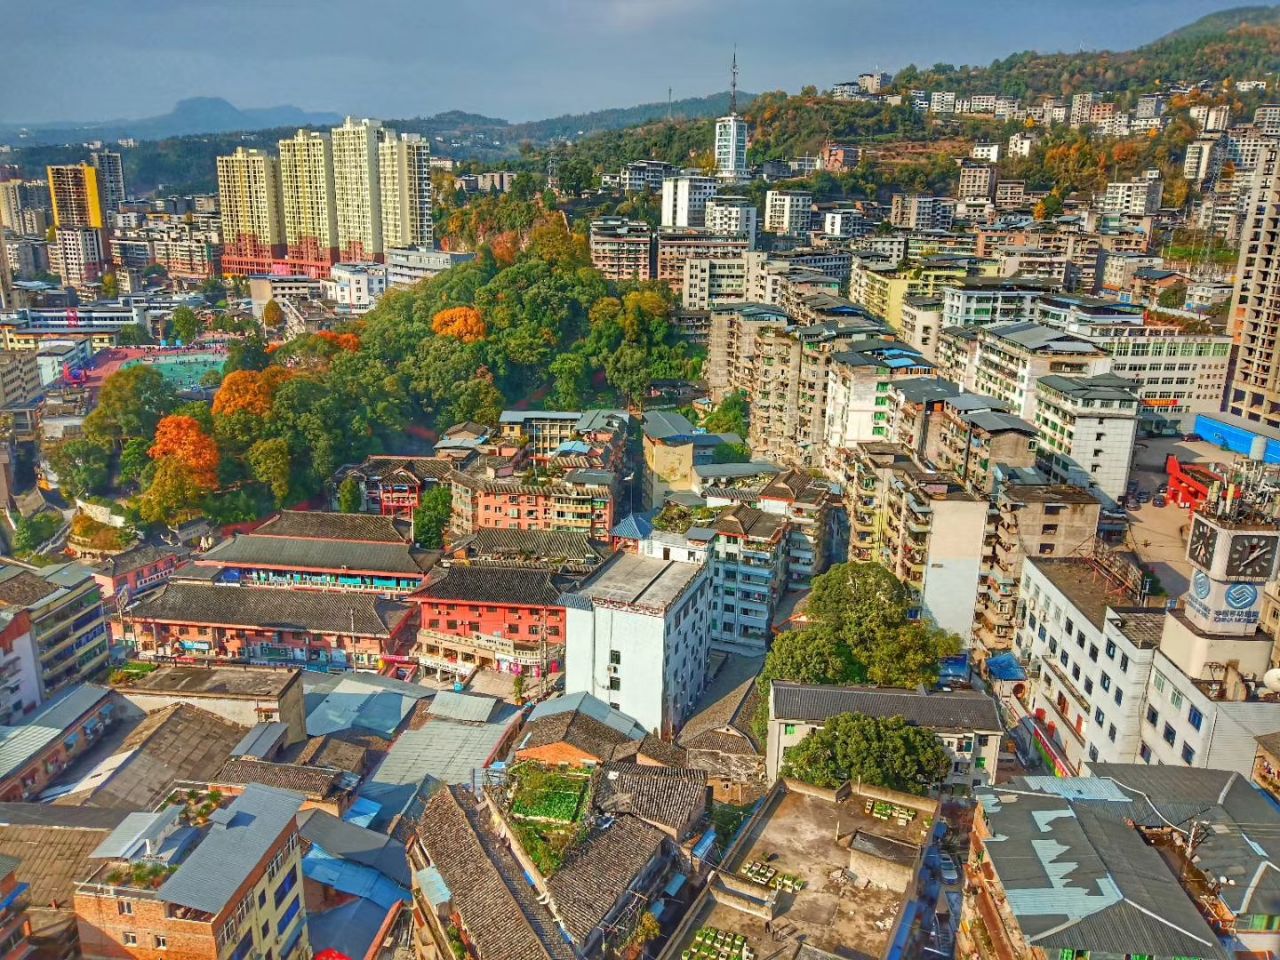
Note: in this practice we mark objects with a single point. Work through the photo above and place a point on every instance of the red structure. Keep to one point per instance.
(1189, 483)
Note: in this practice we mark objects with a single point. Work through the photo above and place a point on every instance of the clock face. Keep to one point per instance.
(1251, 555)
(1203, 540)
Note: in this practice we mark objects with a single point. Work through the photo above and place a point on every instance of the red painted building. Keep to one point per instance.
(327, 630)
(42, 747)
(581, 500)
(15, 928)
(1189, 483)
(137, 570)
(488, 616)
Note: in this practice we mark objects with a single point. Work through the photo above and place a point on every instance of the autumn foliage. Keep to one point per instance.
(461, 323)
(343, 341)
(249, 390)
(183, 441)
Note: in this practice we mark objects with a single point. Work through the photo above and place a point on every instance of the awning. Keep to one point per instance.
(674, 884)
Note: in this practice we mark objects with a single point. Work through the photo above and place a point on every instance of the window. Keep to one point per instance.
(1098, 716)
(1195, 717)
(1175, 699)
(1093, 652)
(286, 918)
(1093, 754)
(124, 908)
(1111, 733)
(1105, 682)
(1170, 735)
(1088, 685)
(1053, 646)
(615, 683)
(1119, 697)
(1124, 662)
(1144, 752)
(1075, 672)
(285, 885)
(1159, 681)
(1153, 715)
(162, 943)
(789, 729)
(1188, 755)
(1110, 649)
(130, 939)
(615, 657)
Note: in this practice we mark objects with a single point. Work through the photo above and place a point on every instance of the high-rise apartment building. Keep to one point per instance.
(1254, 320)
(358, 188)
(310, 216)
(788, 212)
(731, 147)
(25, 206)
(684, 199)
(404, 172)
(110, 167)
(76, 197)
(252, 219)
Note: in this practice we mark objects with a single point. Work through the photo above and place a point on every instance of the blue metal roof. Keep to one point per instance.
(1005, 666)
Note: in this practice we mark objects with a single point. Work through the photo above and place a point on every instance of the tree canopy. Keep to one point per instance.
(876, 751)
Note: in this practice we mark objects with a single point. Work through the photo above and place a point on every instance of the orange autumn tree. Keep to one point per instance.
(249, 390)
(460, 323)
(343, 341)
(183, 441)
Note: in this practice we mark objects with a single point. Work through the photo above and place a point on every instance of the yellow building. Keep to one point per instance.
(404, 172)
(357, 188)
(306, 182)
(77, 199)
(251, 210)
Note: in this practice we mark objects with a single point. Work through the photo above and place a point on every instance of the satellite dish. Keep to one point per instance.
(1271, 680)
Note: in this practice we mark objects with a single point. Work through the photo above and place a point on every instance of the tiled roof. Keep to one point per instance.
(317, 525)
(423, 468)
(660, 795)
(53, 856)
(745, 521)
(328, 751)
(492, 584)
(722, 717)
(309, 780)
(954, 710)
(658, 750)
(492, 915)
(19, 744)
(177, 742)
(137, 558)
(494, 543)
(271, 608)
(598, 872)
(576, 729)
(251, 549)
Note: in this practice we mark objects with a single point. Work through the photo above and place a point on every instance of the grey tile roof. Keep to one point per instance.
(318, 525)
(502, 926)
(492, 584)
(493, 543)
(177, 742)
(232, 849)
(942, 710)
(598, 872)
(659, 795)
(576, 729)
(19, 744)
(247, 549)
(593, 707)
(272, 608)
(722, 718)
(137, 558)
(312, 781)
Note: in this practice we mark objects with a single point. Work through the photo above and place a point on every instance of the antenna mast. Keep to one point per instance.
(733, 83)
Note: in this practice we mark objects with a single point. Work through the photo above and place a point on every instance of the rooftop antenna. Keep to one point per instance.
(733, 83)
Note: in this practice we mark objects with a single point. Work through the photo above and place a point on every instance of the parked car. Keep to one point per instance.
(1158, 500)
(950, 873)
(1163, 488)
(1192, 438)
(1144, 496)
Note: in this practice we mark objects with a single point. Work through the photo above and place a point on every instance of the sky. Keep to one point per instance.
(517, 59)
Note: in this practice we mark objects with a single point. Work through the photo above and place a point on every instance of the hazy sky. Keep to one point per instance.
(518, 59)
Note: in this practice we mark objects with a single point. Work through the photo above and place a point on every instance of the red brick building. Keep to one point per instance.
(492, 617)
(579, 500)
(199, 620)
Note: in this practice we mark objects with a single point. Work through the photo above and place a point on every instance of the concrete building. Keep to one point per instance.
(965, 721)
(1138, 198)
(235, 885)
(975, 301)
(43, 744)
(1087, 428)
(922, 213)
(80, 255)
(788, 212)
(76, 196)
(859, 378)
(731, 147)
(250, 205)
(110, 169)
(408, 266)
(684, 199)
(977, 180)
(357, 188)
(672, 449)
(355, 287)
(733, 215)
(1254, 320)
(677, 246)
(709, 283)
(622, 249)
(638, 636)
(748, 561)
(310, 210)
(404, 184)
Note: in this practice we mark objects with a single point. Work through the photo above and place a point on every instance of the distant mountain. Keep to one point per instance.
(1225, 21)
(196, 115)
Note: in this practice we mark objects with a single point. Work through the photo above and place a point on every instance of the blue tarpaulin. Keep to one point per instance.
(1005, 666)
(954, 669)
(703, 846)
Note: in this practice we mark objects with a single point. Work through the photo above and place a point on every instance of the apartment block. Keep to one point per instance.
(76, 196)
(975, 436)
(489, 494)
(731, 147)
(922, 213)
(748, 568)
(310, 208)
(622, 249)
(859, 379)
(709, 283)
(977, 180)
(250, 205)
(110, 167)
(733, 215)
(684, 200)
(677, 246)
(357, 188)
(1139, 197)
(788, 212)
(404, 185)
(1087, 428)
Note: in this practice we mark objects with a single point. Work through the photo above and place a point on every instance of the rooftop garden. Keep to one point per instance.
(148, 876)
(131, 671)
(546, 809)
(674, 518)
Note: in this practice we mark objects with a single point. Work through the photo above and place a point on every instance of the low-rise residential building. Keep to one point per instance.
(323, 629)
(922, 213)
(1139, 892)
(355, 287)
(1087, 428)
(38, 749)
(965, 721)
(393, 486)
(676, 246)
(975, 301)
(137, 570)
(492, 494)
(1139, 197)
(748, 577)
(638, 636)
(407, 266)
(788, 212)
(234, 885)
(672, 449)
(622, 249)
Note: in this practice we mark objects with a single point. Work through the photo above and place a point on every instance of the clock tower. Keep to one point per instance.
(1231, 561)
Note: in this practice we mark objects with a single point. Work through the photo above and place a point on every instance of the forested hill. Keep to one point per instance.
(1242, 43)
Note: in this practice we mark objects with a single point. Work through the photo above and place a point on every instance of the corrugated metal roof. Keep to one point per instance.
(469, 707)
(593, 707)
(228, 853)
(260, 740)
(19, 744)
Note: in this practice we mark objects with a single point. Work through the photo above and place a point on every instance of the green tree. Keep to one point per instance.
(271, 464)
(1174, 296)
(134, 335)
(33, 531)
(628, 373)
(82, 466)
(186, 325)
(432, 517)
(877, 751)
(110, 287)
(910, 656)
(135, 461)
(730, 416)
(247, 353)
(132, 402)
(731, 453)
(349, 498)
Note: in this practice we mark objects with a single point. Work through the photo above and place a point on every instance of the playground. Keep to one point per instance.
(182, 367)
